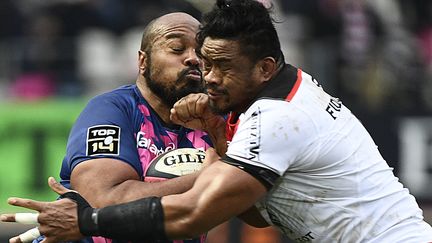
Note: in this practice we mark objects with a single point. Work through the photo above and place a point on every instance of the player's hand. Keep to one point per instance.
(58, 220)
(193, 111)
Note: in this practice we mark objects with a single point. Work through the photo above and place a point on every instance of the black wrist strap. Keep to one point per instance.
(137, 220)
(86, 214)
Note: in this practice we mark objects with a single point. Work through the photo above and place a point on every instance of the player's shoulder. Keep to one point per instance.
(122, 92)
(268, 106)
(271, 112)
(126, 94)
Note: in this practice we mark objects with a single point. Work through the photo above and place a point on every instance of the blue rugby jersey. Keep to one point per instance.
(121, 124)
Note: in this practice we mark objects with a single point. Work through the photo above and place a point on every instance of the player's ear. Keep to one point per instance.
(267, 68)
(142, 56)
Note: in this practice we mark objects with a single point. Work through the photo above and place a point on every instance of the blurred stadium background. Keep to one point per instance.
(55, 54)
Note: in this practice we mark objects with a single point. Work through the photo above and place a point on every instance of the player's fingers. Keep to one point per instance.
(27, 218)
(180, 114)
(15, 239)
(174, 117)
(25, 203)
(9, 217)
(197, 104)
(201, 104)
(178, 111)
(190, 107)
(57, 187)
(29, 235)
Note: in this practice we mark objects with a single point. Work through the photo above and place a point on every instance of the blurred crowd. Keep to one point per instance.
(70, 48)
(374, 54)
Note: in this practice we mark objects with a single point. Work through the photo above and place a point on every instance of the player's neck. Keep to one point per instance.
(156, 103)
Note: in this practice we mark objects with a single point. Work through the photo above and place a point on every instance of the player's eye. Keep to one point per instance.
(224, 68)
(178, 49)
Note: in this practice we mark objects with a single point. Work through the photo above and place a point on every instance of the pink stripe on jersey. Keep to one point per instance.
(196, 138)
(101, 240)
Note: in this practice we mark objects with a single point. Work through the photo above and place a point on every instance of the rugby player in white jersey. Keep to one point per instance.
(297, 154)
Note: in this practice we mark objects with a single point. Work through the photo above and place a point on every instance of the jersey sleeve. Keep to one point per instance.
(270, 136)
(104, 129)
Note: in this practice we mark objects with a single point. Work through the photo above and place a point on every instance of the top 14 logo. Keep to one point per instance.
(103, 139)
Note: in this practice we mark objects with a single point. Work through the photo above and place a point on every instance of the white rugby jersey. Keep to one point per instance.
(327, 179)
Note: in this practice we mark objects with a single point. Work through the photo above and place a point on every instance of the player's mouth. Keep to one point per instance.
(214, 95)
(194, 75)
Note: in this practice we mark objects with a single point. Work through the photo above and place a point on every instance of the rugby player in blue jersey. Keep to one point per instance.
(119, 133)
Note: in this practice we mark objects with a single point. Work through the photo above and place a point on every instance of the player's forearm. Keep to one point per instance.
(188, 220)
(130, 190)
(215, 197)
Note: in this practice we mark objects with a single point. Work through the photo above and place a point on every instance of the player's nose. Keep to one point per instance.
(192, 58)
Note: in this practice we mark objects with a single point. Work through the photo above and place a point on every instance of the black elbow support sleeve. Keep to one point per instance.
(142, 219)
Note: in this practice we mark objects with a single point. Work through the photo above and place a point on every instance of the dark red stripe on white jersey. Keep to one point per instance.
(296, 86)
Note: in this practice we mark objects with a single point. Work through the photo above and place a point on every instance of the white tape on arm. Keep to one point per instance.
(29, 235)
(26, 218)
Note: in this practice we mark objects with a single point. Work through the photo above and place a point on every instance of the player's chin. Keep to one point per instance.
(217, 106)
(191, 87)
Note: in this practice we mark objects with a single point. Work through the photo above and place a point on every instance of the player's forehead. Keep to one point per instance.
(175, 26)
(220, 49)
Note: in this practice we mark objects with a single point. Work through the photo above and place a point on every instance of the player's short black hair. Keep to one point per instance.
(246, 21)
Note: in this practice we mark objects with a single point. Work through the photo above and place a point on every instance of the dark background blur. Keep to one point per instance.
(376, 55)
